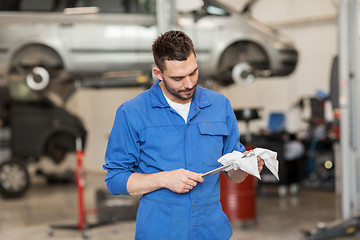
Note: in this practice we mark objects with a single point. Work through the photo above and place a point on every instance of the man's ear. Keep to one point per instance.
(157, 73)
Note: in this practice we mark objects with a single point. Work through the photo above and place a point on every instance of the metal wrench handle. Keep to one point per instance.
(215, 171)
(222, 168)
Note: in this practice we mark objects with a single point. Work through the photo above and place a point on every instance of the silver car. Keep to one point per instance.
(107, 43)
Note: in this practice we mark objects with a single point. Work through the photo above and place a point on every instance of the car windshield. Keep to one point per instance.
(201, 7)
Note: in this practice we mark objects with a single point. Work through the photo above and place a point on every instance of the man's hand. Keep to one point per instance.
(181, 180)
(260, 163)
(238, 175)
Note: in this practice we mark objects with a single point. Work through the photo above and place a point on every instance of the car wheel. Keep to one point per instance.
(241, 63)
(242, 74)
(14, 179)
(37, 65)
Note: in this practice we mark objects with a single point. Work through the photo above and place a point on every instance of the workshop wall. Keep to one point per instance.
(97, 109)
(311, 24)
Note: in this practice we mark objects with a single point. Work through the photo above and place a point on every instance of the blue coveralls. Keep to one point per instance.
(148, 136)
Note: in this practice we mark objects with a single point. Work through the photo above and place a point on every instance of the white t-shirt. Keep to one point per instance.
(182, 109)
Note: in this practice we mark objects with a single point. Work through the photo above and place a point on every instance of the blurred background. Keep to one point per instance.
(66, 66)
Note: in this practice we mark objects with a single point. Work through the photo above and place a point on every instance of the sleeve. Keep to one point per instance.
(232, 141)
(122, 154)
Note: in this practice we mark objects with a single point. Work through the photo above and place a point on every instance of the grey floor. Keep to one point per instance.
(28, 217)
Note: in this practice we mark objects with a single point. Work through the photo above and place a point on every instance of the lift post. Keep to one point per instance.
(349, 102)
(166, 15)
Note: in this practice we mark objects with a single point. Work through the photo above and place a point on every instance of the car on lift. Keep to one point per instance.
(44, 42)
(32, 126)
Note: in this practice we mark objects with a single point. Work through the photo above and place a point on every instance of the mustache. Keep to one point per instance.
(187, 89)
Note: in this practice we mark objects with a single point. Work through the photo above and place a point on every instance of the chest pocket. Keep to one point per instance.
(212, 142)
(161, 148)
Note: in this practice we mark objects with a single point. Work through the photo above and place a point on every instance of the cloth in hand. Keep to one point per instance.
(235, 161)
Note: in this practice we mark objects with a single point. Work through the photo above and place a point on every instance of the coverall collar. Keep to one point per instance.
(158, 99)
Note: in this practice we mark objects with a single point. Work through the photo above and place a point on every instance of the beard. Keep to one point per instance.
(184, 94)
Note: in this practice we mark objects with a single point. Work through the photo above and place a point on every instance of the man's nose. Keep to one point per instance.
(188, 83)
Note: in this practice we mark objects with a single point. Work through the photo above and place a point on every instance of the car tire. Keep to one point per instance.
(240, 63)
(14, 179)
(39, 66)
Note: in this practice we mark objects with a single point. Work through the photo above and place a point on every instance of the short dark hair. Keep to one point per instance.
(172, 45)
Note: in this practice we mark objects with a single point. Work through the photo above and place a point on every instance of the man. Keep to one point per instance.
(161, 142)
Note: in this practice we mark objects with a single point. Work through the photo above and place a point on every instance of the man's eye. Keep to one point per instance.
(193, 73)
(177, 78)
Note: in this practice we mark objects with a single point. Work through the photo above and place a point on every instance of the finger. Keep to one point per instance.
(261, 164)
(195, 176)
(188, 181)
(183, 188)
(191, 183)
(183, 191)
(186, 188)
(260, 160)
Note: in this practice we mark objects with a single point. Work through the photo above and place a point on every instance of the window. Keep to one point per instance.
(28, 5)
(215, 10)
(147, 6)
(200, 8)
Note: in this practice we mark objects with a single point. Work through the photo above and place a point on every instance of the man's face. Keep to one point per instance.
(179, 80)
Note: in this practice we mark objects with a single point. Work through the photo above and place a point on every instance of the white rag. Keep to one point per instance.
(249, 164)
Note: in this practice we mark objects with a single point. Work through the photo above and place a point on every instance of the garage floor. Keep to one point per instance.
(28, 218)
